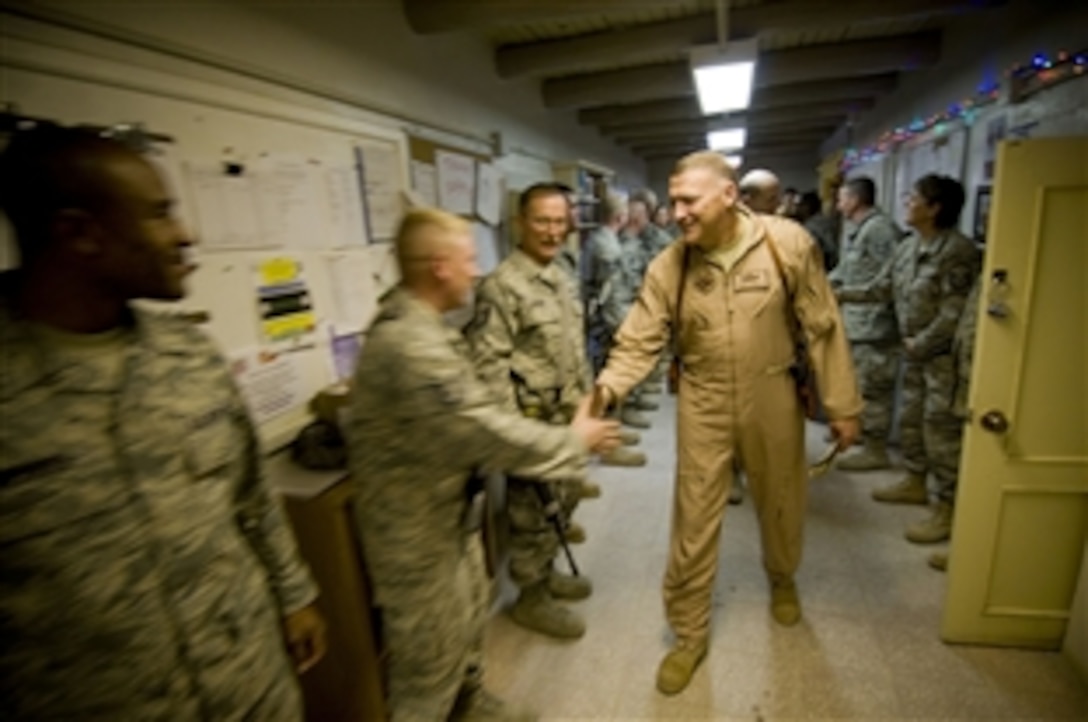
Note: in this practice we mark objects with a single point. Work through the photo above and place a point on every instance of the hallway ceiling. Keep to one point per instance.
(623, 64)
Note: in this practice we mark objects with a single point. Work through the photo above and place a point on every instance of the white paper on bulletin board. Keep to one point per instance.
(343, 203)
(488, 194)
(224, 206)
(380, 171)
(456, 182)
(271, 383)
(287, 201)
(354, 292)
(425, 182)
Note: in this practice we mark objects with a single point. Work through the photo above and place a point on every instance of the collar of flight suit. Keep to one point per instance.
(756, 231)
(525, 265)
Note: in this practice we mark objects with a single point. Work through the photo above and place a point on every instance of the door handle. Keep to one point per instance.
(995, 422)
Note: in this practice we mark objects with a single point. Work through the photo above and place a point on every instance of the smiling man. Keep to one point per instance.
(730, 305)
(528, 343)
(145, 570)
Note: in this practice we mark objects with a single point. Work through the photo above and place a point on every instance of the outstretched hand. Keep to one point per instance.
(598, 435)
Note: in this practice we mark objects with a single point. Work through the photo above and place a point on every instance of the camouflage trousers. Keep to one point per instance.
(930, 434)
(534, 542)
(877, 366)
(433, 633)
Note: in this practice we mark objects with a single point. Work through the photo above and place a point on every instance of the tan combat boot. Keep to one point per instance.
(785, 604)
(873, 457)
(653, 387)
(645, 403)
(629, 437)
(623, 457)
(568, 586)
(476, 704)
(937, 528)
(632, 417)
(911, 489)
(575, 533)
(589, 490)
(676, 669)
(938, 561)
(535, 609)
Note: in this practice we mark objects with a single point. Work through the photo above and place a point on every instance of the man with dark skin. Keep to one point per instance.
(147, 572)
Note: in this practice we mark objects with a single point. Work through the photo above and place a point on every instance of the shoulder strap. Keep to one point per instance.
(773, 248)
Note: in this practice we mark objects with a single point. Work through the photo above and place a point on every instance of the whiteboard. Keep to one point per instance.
(298, 179)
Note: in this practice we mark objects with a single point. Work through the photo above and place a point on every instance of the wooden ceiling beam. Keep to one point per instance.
(780, 96)
(754, 118)
(760, 153)
(702, 126)
(779, 67)
(639, 43)
(697, 142)
(429, 17)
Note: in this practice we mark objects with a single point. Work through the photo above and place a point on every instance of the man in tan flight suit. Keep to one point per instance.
(737, 397)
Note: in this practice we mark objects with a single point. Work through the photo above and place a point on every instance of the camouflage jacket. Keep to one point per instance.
(528, 338)
(866, 248)
(146, 568)
(420, 423)
(963, 348)
(928, 284)
(605, 276)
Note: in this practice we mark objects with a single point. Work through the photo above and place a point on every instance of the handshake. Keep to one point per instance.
(599, 435)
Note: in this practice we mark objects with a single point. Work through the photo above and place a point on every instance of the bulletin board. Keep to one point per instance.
(463, 182)
(289, 209)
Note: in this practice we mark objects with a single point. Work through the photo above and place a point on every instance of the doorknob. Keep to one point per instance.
(994, 422)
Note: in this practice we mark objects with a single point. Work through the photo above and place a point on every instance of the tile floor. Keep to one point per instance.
(867, 649)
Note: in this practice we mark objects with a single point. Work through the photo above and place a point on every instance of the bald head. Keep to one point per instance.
(761, 190)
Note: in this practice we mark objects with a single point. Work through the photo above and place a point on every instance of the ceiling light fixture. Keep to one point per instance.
(724, 75)
(727, 139)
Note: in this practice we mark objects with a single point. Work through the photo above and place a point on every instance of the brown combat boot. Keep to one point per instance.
(629, 437)
(645, 403)
(935, 529)
(676, 669)
(575, 533)
(938, 561)
(911, 489)
(568, 586)
(623, 457)
(785, 604)
(589, 490)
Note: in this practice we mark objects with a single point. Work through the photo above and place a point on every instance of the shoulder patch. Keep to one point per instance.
(960, 278)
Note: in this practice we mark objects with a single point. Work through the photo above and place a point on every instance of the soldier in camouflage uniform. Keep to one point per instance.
(870, 240)
(528, 345)
(147, 572)
(608, 300)
(928, 279)
(421, 427)
(963, 349)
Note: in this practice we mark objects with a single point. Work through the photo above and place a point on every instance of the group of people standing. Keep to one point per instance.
(148, 572)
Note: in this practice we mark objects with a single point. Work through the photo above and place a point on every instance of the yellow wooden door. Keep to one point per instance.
(1022, 505)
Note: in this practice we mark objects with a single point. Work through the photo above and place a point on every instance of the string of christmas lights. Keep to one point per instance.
(1023, 80)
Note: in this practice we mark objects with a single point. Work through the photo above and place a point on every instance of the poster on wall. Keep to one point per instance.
(284, 305)
(456, 182)
(270, 382)
(488, 194)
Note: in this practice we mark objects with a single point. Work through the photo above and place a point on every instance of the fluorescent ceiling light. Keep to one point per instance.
(723, 76)
(727, 139)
